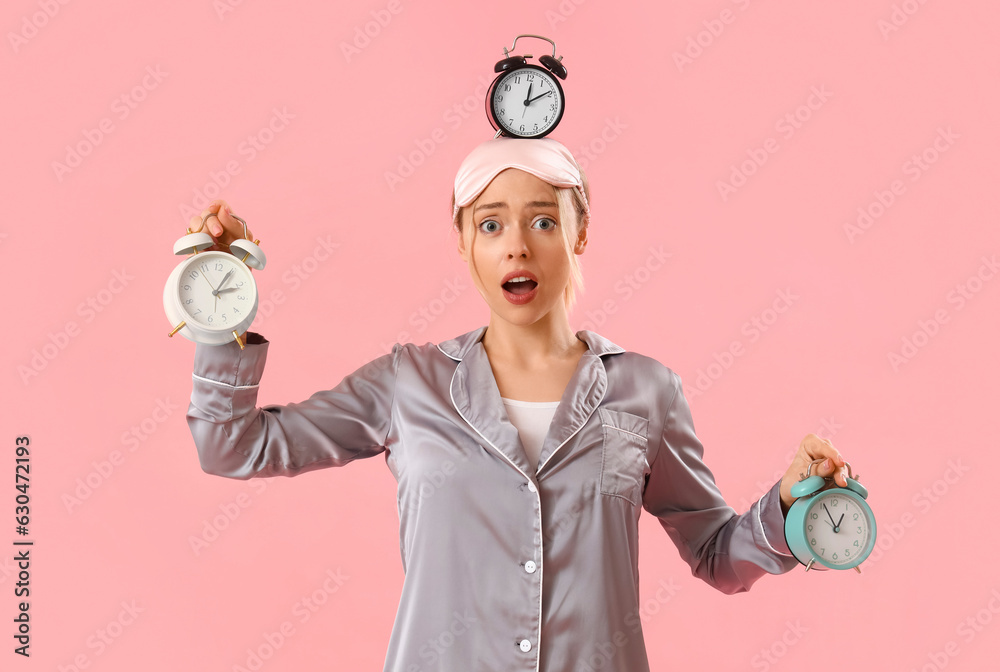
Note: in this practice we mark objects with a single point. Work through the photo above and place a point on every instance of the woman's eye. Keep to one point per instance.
(483, 226)
(551, 223)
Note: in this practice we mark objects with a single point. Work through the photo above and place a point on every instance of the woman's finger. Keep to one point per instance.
(833, 462)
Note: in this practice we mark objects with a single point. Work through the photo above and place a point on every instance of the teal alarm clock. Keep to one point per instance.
(828, 526)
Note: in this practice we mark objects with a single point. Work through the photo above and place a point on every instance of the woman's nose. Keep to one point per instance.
(517, 242)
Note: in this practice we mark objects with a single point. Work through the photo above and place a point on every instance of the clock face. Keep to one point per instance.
(216, 291)
(838, 529)
(527, 102)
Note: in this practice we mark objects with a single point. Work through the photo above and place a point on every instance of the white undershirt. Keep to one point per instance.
(532, 420)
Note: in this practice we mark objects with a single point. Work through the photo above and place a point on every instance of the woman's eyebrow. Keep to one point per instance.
(530, 204)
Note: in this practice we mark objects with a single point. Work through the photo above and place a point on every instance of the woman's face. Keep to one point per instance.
(516, 222)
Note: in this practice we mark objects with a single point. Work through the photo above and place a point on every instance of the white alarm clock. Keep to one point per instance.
(211, 296)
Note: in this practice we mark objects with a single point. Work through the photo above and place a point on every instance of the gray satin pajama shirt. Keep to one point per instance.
(506, 568)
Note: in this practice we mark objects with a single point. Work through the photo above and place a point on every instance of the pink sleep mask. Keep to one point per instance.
(544, 158)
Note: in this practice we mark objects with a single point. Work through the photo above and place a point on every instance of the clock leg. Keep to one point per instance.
(177, 328)
(858, 567)
(238, 339)
(810, 564)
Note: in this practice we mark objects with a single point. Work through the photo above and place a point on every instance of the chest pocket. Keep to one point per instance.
(624, 466)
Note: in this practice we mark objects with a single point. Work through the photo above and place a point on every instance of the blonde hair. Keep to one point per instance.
(571, 209)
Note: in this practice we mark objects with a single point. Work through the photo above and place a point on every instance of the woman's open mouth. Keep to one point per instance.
(520, 289)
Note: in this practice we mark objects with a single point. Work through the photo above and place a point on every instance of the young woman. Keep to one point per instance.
(545, 444)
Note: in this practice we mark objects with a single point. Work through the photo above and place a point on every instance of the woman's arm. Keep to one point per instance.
(236, 439)
(728, 551)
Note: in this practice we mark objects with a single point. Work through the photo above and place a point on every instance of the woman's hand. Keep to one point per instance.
(222, 226)
(812, 448)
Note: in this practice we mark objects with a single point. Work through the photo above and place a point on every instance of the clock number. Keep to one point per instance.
(204, 268)
(814, 516)
(189, 301)
(210, 319)
(822, 551)
(517, 79)
(847, 552)
(522, 127)
(503, 110)
(194, 275)
(859, 529)
(856, 543)
(855, 516)
(219, 266)
(188, 288)
(235, 309)
(834, 556)
(196, 312)
(813, 542)
(536, 127)
(506, 87)
(834, 503)
(810, 527)
(224, 317)
(530, 77)
(241, 297)
(238, 285)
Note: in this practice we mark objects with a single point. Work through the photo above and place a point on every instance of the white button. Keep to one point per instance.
(529, 566)
(531, 486)
(525, 645)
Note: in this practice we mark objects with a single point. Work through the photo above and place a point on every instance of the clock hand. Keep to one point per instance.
(214, 290)
(831, 518)
(225, 278)
(541, 95)
(527, 96)
(837, 528)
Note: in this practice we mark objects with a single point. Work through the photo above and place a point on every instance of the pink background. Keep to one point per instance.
(106, 404)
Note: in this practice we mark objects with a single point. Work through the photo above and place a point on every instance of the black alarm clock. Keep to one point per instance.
(526, 100)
